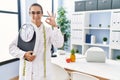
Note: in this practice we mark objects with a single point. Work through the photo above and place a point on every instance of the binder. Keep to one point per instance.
(88, 38)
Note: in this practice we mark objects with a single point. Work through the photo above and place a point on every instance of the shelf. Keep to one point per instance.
(98, 11)
(97, 28)
(110, 28)
(97, 44)
(115, 46)
(117, 29)
(80, 29)
(76, 44)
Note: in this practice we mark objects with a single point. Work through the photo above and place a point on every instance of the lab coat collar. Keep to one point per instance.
(40, 27)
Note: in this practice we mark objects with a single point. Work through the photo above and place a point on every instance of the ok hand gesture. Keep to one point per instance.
(51, 20)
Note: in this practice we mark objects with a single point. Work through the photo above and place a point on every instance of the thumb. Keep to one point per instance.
(47, 20)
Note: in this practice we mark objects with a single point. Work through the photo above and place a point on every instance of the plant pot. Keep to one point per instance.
(104, 42)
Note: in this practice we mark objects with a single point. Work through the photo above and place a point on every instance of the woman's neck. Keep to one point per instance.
(37, 23)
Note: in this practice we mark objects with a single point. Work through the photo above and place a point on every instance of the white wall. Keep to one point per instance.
(69, 6)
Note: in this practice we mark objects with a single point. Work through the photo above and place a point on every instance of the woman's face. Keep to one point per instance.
(35, 14)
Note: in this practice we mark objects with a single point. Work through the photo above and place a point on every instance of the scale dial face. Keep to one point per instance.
(27, 32)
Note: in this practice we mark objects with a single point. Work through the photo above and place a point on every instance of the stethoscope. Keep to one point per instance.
(27, 32)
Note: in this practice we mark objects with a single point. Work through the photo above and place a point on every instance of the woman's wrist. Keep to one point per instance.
(54, 25)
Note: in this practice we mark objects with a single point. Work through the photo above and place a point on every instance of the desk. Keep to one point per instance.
(109, 70)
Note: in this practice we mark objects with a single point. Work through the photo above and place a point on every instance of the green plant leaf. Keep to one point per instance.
(64, 24)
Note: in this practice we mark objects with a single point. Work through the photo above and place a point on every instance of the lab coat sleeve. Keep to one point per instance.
(15, 51)
(57, 38)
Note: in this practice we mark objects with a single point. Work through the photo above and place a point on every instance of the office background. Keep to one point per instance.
(18, 15)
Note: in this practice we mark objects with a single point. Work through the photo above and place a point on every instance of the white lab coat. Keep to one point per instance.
(35, 70)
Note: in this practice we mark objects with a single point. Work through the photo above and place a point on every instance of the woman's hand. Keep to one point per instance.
(28, 55)
(51, 20)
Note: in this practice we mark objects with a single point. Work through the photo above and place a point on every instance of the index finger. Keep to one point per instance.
(55, 15)
(48, 13)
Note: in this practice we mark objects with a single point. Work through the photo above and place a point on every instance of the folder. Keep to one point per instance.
(88, 38)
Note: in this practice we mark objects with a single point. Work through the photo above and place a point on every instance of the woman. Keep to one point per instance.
(38, 65)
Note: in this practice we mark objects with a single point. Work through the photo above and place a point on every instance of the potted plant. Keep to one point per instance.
(118, 57)
(108, 26)
(90, 25)
(100, 25)
(64, 25)
(104, 40)
(77, 51)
